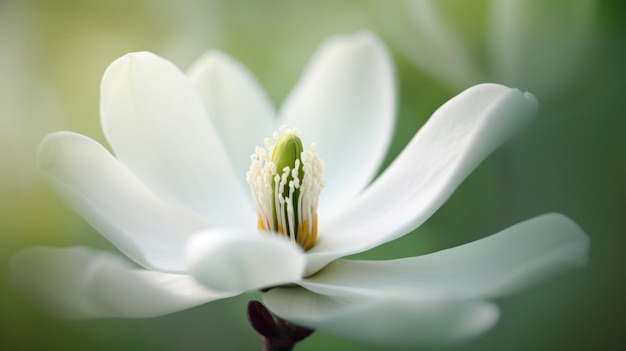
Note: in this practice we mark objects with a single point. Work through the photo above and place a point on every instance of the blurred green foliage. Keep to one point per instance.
(569, 160)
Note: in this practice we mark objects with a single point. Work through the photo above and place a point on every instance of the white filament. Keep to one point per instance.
(270, 200)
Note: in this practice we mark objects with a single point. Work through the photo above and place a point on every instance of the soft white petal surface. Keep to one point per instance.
(81, 283)
(436, 298)
(156, 124)
(224, 259)
(445, 150)
(513, 259)
(345, 102)
(409, 320)
(236, 104)
(108, 196)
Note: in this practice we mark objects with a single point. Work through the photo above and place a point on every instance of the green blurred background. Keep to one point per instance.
(569, 160)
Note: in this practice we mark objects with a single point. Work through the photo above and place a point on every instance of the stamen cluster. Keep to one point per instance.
(286, 181)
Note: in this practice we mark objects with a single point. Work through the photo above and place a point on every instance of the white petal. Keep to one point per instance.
(156, 124)
(236, 104)
(390, 321)
(345, 103)
(108, 196)
(513, 259)
(81, 283)
(230, 260)
(445, 150)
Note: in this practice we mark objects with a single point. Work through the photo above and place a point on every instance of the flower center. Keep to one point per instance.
(286, 182)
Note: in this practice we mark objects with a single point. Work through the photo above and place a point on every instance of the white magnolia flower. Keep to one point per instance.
(175, 200)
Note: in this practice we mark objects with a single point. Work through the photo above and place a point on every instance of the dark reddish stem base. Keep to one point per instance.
(276, 334)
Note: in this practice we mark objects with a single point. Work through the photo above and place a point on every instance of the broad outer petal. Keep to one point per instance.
(345, 103)
(513, 259)
(156, 124)
(108, 196)
(236, 104)
(445, 150)
(224, 259)
(392, 321)
(82, 283)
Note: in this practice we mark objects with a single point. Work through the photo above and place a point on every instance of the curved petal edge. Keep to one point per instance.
(83, 283)
(345, 103)
(389, 321)
(509, 261)
(458, 136)
(225, 259)
(112, 200)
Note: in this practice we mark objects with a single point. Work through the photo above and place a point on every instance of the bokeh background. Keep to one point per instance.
(570, 159)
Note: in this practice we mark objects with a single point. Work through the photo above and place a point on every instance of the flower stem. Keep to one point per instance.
(269, 345)
(276, 333)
